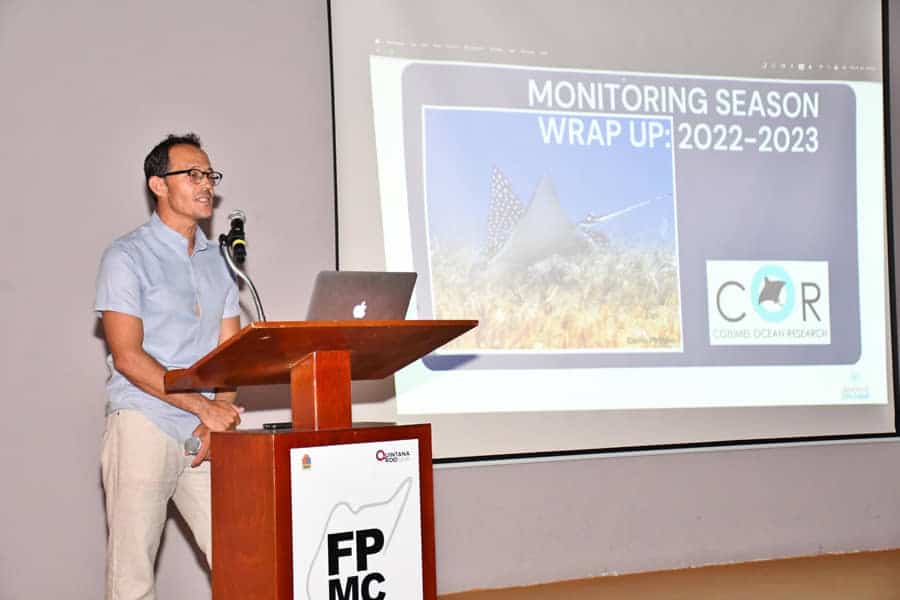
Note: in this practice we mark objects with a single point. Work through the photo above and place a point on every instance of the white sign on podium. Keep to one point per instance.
(356, 521)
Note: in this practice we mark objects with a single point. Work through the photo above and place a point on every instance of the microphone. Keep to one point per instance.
(192, 445)
(235, 239)
(234, 251)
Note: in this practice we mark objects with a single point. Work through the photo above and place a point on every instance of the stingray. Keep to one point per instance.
(771, 291)
(544, 230)
(519, 237)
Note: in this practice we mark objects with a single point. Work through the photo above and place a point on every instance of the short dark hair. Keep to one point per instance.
(157, 162)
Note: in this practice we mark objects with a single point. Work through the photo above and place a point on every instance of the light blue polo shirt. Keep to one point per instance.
(181, 300)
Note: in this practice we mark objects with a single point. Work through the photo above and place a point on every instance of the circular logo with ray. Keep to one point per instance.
(772, 293)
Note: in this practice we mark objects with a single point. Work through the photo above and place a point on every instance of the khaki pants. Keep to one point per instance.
(143, 468)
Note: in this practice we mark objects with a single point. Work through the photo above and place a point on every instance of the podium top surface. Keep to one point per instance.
(265, 353)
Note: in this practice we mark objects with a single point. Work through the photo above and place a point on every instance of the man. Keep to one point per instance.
(165, 298)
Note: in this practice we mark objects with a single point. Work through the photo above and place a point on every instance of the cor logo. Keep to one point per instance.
(766, 303)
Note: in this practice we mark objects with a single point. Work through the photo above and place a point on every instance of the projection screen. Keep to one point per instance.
(670, 218)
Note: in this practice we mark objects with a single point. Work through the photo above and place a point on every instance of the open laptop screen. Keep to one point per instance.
(370, 295)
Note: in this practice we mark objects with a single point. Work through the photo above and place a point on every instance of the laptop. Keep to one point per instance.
(368, 295)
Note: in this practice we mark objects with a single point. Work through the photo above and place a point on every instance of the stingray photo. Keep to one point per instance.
(558, 232)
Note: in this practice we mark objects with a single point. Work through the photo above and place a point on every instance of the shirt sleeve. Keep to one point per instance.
(232, 306)
(118, 284)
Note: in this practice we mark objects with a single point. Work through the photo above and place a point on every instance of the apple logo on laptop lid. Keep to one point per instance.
(359, 311)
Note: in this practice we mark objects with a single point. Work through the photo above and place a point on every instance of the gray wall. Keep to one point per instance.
(87, 88)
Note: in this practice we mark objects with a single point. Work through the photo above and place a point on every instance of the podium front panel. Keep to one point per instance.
(356, 521)
(372, 529)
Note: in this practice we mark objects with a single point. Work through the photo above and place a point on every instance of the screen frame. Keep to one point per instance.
(892, 284)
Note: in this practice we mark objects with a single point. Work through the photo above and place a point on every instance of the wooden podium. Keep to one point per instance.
(251, 470)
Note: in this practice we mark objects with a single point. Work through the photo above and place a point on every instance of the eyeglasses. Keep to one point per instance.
(197, 175)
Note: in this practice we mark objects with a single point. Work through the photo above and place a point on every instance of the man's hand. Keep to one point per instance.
(220, 416)
(202, 432)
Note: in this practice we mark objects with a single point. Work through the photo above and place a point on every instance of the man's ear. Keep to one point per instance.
(158, 186)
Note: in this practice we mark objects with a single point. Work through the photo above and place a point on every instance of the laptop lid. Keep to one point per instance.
(369, 295)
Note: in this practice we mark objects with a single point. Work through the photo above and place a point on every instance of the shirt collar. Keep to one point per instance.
(172, 237)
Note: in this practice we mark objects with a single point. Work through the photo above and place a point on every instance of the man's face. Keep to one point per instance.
(180, 197)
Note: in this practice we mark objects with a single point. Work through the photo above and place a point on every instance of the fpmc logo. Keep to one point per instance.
(369, 551)
(361, 583)
(768, 303)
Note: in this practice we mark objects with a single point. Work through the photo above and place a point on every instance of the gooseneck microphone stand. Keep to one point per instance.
(226, 252)
(234, 240)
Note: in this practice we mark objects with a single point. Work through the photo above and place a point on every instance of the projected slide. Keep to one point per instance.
(600, 219)
(607, 224)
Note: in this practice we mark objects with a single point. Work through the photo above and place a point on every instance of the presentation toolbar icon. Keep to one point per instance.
(807, 67)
